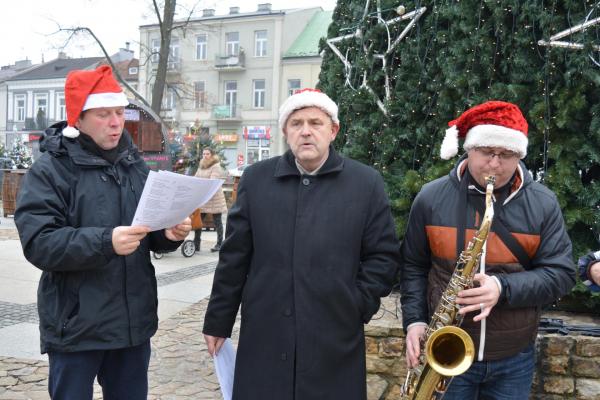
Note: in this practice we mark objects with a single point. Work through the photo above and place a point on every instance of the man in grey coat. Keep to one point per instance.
(310, 249)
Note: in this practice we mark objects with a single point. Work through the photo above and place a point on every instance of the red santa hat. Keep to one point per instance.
(307, 98)
(90, 89)
(491, 124)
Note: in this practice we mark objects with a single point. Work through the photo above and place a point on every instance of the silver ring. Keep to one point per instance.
(481, 305)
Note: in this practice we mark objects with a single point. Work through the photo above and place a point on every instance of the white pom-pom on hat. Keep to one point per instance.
(450, 143)
(70, 132)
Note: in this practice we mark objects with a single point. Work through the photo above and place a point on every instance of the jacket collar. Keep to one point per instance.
(286, 164)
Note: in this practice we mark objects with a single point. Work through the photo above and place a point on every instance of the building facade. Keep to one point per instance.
(228, 74)
(33, 99)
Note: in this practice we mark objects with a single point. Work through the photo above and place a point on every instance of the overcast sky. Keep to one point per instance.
(29, 27)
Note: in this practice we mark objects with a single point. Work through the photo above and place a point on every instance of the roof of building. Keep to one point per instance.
(57, 68)
(124, 68)
(307, 43)
(8, 71)
(250, 14)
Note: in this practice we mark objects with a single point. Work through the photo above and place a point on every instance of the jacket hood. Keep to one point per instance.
(50, 140)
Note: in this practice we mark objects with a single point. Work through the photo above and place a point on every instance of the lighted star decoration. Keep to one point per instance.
(392, 43)
(582, 27)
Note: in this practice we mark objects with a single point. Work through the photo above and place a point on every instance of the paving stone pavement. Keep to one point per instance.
(180, 366)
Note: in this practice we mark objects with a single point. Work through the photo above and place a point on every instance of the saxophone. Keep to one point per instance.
(446, 349)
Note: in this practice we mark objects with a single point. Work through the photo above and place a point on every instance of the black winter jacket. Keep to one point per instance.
(531, 213)
(308, 257)
(89, 298)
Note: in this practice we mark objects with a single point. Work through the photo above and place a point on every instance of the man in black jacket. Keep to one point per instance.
(310, 249)
(97, 296)
(524, 265)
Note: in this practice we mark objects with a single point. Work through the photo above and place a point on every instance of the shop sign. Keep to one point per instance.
(225, 138)
(132, 115)
(257, 132)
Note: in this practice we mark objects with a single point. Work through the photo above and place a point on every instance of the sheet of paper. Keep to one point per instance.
(168, 198)
(224, 367)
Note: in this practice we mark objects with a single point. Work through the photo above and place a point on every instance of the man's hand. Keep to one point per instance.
(125, 239)
(482, 298)
(214, 344)
(413, 344)
(595, 273)
(179, 231)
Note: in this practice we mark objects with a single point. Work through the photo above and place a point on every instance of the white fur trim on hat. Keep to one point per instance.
(308, 98)
(99, 100)
(70, 132)
(496, 136)
(450, 143)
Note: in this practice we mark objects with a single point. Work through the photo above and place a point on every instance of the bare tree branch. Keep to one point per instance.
(79, 29)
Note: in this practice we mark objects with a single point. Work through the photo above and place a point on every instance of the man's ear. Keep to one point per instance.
(335, 128)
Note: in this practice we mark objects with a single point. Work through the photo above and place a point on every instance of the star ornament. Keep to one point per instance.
(383, 55)
(582, 27)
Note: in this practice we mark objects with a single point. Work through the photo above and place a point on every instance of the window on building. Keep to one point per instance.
(201, 47)
(260, 43)
(258, 93)
(170, 99)
(133, 70)
(232, 43)
(155, 48)
(174, 60)
(20, 107)
(231, 97)
(41, 103)
(199, 94)
(293, 85)
(61, 110)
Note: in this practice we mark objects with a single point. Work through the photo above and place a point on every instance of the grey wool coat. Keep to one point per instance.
(308, 258)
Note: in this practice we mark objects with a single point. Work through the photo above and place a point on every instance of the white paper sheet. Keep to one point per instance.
(224, 367)
(168, 198)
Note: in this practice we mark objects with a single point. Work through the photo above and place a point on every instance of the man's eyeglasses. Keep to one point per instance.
(489, 154)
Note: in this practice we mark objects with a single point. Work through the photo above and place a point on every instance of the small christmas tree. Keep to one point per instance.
(20, 155)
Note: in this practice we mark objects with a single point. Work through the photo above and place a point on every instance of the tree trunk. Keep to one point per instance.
(165, 42)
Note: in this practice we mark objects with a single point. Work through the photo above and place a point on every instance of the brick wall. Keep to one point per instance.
(568, 367)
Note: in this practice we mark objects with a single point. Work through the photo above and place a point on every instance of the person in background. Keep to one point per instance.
(210, 168)
(97, 295)
(311, 247)
(589, 270)
(526, 261)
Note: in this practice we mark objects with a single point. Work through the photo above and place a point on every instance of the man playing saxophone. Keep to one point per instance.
(525, 262)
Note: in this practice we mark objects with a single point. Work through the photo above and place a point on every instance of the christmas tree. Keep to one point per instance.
(395, 105)
(20, 155)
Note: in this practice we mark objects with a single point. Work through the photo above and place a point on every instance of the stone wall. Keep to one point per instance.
(568, 366)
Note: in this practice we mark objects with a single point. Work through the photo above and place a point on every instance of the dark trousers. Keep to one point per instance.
(122, 373)
(219, 227)
(506, 379)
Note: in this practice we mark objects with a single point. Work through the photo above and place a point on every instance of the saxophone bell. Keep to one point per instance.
(450, 351)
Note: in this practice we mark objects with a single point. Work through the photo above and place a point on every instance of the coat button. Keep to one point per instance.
(283, 356)
(287, 312)
(306, 181)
